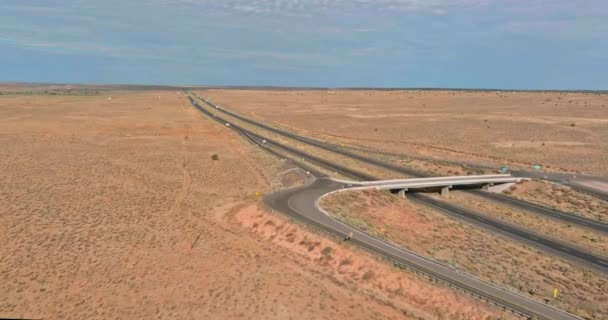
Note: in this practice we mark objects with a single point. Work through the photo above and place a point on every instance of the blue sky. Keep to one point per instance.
(516, 44)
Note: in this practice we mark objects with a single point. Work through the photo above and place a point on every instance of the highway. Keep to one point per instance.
(530, 207)
(448, 181)
(548, 212)
(555, 247)
(301, 204)
(507, 177)
(595, 186)
(592, 185)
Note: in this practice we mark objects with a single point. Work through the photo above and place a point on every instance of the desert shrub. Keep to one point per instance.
(290, 237)
(215, 157)
(313, 245)
(368, 275)
(326, 251)
(346, 262)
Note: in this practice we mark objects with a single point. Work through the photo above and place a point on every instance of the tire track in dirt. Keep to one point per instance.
(186, 180)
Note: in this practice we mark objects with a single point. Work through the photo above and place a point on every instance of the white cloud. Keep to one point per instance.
(272, 55)
(294, 7)
(438, 7)
(77, 47)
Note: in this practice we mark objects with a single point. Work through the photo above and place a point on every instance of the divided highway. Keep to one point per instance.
(301, 204)
(534, 208)
(557, 248)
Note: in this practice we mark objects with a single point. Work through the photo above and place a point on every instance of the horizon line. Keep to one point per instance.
(148, 86)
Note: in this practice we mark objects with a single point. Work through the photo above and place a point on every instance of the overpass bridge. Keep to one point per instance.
(490, 182)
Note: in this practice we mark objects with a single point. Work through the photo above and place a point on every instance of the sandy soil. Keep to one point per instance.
(472, 250)
(434, 167)
(520, 129)
(562, 198)
(341, 263)
(561, 231)
(357, 165)
(114, 208)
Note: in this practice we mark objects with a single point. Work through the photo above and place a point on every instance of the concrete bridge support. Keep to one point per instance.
(445, 191)
(401, 193)
(499, 188)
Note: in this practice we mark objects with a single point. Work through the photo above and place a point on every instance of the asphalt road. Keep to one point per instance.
(530, 207)
(592, 185)
(595, 186)
(545, 211)
(301, 203)
(557, 248)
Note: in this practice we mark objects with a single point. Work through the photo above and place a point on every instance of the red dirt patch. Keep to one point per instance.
(358, 270)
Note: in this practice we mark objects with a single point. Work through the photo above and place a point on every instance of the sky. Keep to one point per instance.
(506, 44)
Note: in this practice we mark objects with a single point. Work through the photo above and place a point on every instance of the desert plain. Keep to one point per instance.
(129, 203)
(112, 206)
